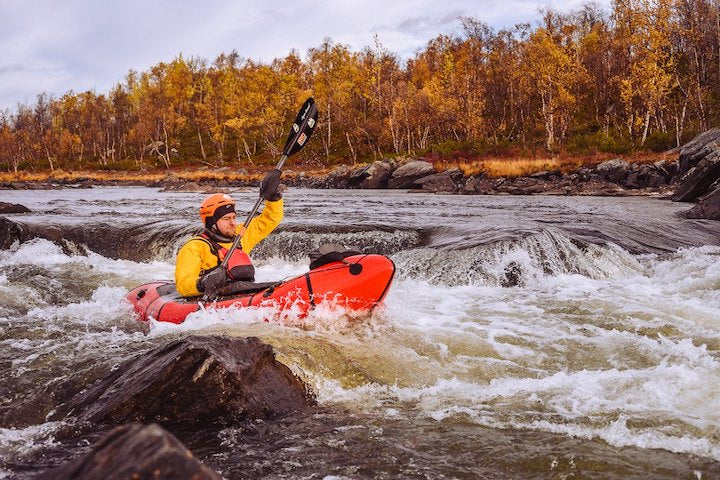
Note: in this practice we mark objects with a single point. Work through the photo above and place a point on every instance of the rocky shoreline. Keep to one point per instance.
(693, 177)
(611, 178)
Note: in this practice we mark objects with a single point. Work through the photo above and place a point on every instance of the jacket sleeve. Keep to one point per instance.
(188, 266)
(261, 226)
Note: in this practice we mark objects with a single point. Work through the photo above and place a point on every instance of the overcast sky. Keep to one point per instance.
(57, 46)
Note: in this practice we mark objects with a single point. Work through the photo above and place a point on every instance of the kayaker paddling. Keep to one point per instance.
(198, 270)
(216, 262)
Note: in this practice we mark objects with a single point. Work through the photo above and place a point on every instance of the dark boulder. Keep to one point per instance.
(135, 451)
(671, 169)
(448, 181)
(13, 208)
(615, 170)
(523, 186)
(645, 176)
(708, 207)
(698, 180)
(405, 175)
(373, 175)
(194, 380)
(696, 149)
(481, 185)
(339, 177)
(377, 175)
(10, 232)
(180, 186)
(598, 188)
(547, 175)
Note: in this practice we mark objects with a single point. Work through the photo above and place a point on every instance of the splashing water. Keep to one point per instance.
(532, 322)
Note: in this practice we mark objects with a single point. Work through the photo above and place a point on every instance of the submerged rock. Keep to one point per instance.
(194, 380)
(13, 208)
(135, 451)
(708, 207)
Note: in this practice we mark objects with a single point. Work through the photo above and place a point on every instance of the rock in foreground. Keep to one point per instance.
(135, 451)
(194, 380)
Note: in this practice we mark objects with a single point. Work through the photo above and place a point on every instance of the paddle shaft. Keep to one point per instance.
(249, 218)
(299, 134)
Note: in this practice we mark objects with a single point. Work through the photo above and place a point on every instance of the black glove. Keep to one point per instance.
(213, 281)
(269, 186)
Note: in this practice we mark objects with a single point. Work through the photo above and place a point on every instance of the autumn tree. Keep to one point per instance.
(643, 31)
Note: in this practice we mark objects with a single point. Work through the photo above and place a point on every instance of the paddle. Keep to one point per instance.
(300, 133)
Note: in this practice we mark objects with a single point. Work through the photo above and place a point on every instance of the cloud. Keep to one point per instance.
(12, 68)
(85, 44)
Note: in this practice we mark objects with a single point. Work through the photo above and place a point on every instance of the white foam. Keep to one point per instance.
(623, 359)
(626, 352)
(16, 442)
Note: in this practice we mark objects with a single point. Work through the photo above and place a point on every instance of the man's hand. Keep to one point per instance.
(213, 281)
(269, 186)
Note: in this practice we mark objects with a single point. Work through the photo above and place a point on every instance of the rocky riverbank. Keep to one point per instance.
(693, 177)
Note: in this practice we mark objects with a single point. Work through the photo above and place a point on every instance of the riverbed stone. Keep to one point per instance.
(645, 176)
(698, 180)
(194, 380)
(481, 185)
(13, 208)
(135, 451)
(377, 175)
(615, 170)
(338, 178)
(698, 148)
(405, 175)
(10, 232)
(448, 181)
(180, 186)
(708, 207)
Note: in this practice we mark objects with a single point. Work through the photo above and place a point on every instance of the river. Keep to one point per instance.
(523, 337)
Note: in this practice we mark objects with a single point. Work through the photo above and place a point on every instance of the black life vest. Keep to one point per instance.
(239, 266)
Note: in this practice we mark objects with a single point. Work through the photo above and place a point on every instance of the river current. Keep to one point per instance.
(523, 337)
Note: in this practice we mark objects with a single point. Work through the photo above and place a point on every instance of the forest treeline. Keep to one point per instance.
(644, 75)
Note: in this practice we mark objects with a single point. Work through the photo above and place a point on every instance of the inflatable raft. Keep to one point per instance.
(359, 282)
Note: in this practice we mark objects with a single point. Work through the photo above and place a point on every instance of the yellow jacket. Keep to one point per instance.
(195, 256)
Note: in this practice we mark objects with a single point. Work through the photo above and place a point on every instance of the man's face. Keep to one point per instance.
(226, 225)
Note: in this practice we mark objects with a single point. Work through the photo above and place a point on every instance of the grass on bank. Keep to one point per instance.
(180, 175)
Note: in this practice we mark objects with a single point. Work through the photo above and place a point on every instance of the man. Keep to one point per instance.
(197, 269)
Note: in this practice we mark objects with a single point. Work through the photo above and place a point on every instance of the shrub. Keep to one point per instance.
(659, 141)
(589, 143)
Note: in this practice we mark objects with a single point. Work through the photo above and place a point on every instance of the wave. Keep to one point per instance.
(519, 262)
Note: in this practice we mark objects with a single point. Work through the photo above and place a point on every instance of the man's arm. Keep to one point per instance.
(261, 226)
(188, 267)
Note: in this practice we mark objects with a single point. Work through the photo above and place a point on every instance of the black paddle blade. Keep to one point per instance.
(302, 128)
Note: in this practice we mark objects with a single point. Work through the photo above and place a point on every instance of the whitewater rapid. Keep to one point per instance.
(538, 324)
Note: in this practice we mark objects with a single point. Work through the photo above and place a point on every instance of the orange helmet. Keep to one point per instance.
(215, 207)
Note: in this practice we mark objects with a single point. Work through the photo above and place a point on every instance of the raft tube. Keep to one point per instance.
(359, 283)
